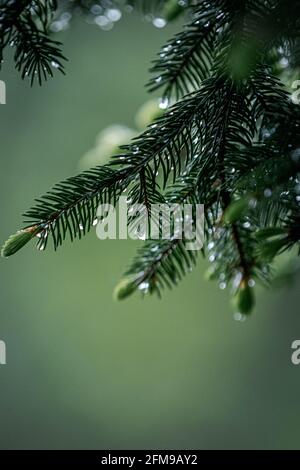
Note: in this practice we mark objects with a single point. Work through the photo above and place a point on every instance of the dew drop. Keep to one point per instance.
(113, 14)
(239, 317)
(267, 192)
(284, 62)
(144, 286)
(237, 280)
(159, 22)
(164, 102)
(54, 64)
(246, 225)
(96, 9)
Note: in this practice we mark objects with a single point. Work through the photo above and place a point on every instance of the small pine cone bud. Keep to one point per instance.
(125, 288)
(243, 300)
(18, 240)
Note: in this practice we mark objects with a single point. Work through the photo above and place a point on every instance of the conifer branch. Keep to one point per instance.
(24, 25)
(230, 141)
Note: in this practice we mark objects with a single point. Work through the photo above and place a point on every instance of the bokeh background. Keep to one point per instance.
(84, 371)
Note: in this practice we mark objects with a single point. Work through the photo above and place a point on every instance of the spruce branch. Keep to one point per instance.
(71, 207)
(157, 265)
(230, 141)
(186, 60)
(163, 263)
(24, 25)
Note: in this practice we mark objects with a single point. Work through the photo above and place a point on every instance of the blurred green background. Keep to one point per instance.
(83, 371)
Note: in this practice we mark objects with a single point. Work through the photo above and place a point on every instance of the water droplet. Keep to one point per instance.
(284, 62)
(237, 280)
(113, 14)
(159, 22)
(103, 22)
(246, 225)
(239, 317)
(96, 9)
(54, 64)
(164, 102)
(144, 286)
(267, 192)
